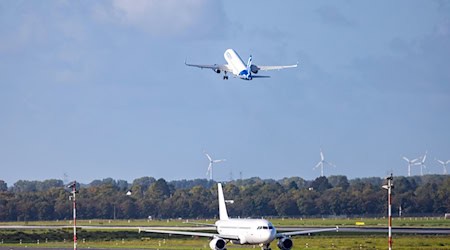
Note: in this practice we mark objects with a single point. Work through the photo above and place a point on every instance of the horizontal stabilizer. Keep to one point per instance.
(256, 76)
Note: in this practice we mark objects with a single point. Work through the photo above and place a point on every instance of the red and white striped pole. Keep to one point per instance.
(389, 187)
(73, 185)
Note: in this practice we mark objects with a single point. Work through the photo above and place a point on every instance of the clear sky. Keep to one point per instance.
(97, 89)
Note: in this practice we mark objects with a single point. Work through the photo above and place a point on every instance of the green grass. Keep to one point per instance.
(131, 239)
(310, 242)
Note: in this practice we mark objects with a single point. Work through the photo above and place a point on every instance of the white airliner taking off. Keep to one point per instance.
(243, 231)
(237, 67)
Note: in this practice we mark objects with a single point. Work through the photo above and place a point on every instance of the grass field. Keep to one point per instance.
(314, 242)
(132, 239)
(397, 222)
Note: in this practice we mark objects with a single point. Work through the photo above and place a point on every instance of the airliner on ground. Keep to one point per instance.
(243, 231)
(237, 67)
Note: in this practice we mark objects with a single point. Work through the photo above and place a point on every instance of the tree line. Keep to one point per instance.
(293, 197)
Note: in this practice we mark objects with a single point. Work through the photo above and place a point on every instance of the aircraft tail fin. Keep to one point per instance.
(249, 65)
(223, 215)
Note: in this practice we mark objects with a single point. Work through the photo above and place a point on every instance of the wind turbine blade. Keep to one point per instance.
(447, 162)
(441, 162)
(209, 157)
(318, 165)
(329, 164)
(321, 155)
(414, 160)
(406, 159)
(221, 160)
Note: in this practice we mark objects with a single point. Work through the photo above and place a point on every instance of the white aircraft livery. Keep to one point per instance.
(243, 231)
(237, 67)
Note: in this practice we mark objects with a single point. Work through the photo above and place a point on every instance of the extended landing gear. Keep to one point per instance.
(225, 77)
(265, 247)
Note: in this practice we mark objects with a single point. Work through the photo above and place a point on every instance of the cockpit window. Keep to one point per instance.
(265, 227)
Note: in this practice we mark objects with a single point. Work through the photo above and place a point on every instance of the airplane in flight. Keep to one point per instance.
(243, 231)
(237, 67)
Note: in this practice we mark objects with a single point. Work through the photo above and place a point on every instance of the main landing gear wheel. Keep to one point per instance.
(266, 247)
(225, 77)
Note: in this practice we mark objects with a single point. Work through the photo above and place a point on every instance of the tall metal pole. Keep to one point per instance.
(73, 185)
(389, 187)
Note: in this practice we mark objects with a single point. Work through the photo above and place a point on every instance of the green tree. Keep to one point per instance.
(339, 181)
(321, 184)
(3, 186)
(159, 190)
(286, 206)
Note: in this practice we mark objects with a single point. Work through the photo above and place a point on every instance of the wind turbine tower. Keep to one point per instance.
(210, 166)
(422, 163)
(322, 162)
(444, 165)
(410, 163)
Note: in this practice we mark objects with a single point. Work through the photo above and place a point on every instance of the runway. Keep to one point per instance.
(402, 230)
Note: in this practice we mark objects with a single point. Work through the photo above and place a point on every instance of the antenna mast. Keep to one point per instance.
(73, 185)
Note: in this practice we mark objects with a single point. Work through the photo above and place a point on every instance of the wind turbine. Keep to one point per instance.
(444, 165)
(410, 163)
(322, 162)
(210, 166)
(422, 163)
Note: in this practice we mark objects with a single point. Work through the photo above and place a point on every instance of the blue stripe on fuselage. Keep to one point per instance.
(243, 72)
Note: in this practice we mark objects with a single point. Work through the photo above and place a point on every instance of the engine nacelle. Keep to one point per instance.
(218, 244)
(217, 71)
(254, 69)
(285, 243)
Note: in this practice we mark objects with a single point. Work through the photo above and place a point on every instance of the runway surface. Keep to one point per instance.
(403, 230)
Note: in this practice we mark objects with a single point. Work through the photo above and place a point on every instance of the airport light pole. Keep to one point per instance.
(389, 187)
(73, 185)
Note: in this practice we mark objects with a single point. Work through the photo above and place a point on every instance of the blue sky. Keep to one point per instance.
(96, 89)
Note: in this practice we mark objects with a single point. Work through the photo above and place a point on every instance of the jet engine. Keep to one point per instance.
(217, 71)
(218, 244)
(254, 69)
(285, 243)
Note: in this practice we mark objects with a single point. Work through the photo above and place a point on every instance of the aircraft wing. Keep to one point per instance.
(280, 235)
(221, 67)
(201, 224)
(266, 68)
(210, 235)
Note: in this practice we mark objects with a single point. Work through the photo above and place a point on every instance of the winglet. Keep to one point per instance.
(223, 215)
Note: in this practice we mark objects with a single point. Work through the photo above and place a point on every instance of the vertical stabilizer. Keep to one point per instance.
(249, 65)
(223, 215)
